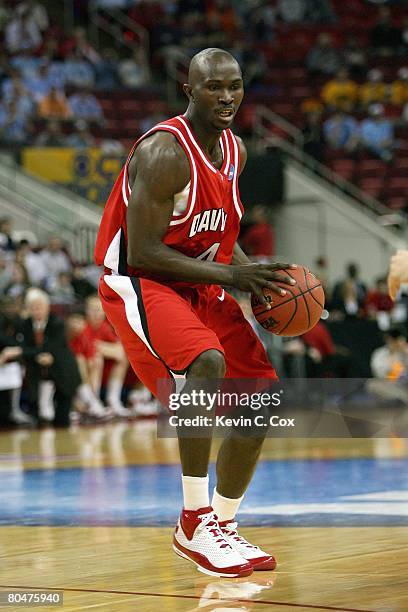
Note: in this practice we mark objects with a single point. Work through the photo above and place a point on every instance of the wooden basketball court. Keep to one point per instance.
(90, 511)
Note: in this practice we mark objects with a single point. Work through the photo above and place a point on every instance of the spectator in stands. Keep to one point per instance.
(54, 259)
(11, 374)
(134, 72)
(26, 64)
(37, 13)
(341, 132)
(399, 88)
(19, 282)
(385, 38)
(52, 372)
(90, 365)
(32, 262)
(82, 287)
(106, 70)
(389, 366)
(340, 93)
(377, 133)
(78, 72)
(323, 58)
(54, 106)
(61, 291)
(107, 345)
(259, 240)
(84, 105)
(355, 57)
(349, 293)
(15, 91)
(22, 32)
(292, 11)
(378, 300)
(6, 240)
(51, 135)
(39, 82)
(81, 137)
(15, 128)
(5, 272)
(374, 90)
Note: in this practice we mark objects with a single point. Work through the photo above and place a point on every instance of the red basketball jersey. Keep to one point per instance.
(206, 215)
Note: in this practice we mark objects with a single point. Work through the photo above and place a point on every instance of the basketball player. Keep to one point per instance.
(398, 274)
(168, 243)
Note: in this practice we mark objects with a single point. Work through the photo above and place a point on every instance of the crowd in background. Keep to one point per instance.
(61, 362)
(50, 79)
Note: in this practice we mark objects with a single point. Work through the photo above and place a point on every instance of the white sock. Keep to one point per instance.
(225, 507)
(114, 391)
(85, 394)
(195, 492)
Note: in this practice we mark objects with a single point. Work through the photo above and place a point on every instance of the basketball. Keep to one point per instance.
(296, 312)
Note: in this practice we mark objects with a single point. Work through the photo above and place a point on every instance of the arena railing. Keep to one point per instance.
(111, 22)
(263, 137)
(49, 208)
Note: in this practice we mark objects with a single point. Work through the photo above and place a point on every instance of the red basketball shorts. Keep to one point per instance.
(164, 330)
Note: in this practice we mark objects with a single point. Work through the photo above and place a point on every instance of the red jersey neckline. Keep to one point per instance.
(221, 170)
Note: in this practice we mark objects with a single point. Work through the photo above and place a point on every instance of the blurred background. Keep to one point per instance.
(325, 119)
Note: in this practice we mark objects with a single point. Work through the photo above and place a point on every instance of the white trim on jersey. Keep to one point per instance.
(197, 146)
(227, 152)
(234, 180)
(125, 198)
(122, 285)
(111, 259)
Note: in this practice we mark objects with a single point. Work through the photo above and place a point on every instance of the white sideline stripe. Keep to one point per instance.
(111, 260)
(122, 285)
(234, 180)
(197, 146)
(379, 508)
(379, 496)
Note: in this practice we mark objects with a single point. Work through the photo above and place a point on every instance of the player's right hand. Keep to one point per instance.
(254, 277)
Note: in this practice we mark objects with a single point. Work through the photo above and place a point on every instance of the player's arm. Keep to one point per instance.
(398, 274)
(159, 169)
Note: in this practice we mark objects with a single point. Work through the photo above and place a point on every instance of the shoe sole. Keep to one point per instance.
(264, 566)
(204, 570)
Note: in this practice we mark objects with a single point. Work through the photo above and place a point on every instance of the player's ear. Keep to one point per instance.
(188, 90)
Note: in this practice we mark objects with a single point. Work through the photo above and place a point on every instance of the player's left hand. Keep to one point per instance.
(398, 273)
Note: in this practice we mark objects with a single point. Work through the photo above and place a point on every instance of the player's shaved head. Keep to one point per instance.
(205, 63)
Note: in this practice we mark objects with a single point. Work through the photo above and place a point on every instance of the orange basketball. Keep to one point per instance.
(296, 312)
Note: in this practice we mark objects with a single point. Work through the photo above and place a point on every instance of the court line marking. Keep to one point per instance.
(178, 596)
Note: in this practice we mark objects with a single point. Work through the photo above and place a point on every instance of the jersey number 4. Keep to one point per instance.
(210, 253)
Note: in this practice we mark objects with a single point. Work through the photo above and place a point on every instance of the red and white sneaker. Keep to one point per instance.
(199, 539)
(259, 559)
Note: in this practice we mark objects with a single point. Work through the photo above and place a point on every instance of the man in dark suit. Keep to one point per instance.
(48, 357)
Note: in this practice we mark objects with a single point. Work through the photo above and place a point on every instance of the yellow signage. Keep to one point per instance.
(88, 172)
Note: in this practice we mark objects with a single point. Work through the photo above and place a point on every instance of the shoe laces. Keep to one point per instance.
(231, 530)
(209, 521)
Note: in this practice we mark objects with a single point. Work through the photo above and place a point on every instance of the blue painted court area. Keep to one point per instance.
(294, 493)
